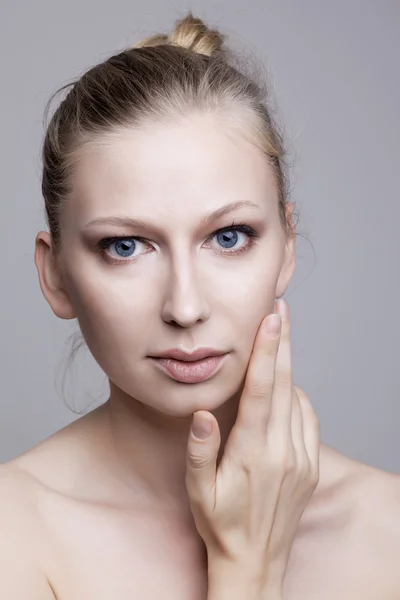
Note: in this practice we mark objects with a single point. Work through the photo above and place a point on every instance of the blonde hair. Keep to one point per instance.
(161, 78)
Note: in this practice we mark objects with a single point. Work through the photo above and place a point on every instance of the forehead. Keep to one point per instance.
(189, 168)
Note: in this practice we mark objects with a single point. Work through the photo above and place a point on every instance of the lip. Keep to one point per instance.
(190, 371)
(189, 356)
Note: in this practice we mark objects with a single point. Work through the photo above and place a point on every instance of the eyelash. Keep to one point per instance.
(105, 243)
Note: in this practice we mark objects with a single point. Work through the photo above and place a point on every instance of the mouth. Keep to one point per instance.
(190, 371)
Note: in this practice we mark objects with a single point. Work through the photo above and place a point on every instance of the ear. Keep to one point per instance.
(289, 259)
(50, 278)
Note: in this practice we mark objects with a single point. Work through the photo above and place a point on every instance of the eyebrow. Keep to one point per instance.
(130, 222)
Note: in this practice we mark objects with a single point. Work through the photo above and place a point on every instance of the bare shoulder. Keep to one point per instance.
(378, 503)
(369, 493)
(18, 495)
(376, 496)
(22, 554)
(359, 511)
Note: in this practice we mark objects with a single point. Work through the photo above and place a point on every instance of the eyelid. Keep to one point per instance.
(241, 226)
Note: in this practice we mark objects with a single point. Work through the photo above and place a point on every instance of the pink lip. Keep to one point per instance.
(196, 354)
(193, 371)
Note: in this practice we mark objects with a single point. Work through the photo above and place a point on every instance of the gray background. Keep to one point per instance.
(335, 69)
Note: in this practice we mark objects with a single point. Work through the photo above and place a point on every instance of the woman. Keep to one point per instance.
(170, 238)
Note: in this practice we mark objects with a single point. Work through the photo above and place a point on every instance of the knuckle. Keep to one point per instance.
(291, 465)
(282, 460)
(275, 459)
(198, 460)
(252, 461)
(283, 383)
(305, 470)
(290, 468)
(276, 467)
(259, 390)
(251, 450)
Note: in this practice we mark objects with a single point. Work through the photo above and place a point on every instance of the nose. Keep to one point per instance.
(185, 302)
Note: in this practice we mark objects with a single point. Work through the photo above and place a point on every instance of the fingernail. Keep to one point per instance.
(273, 325)
(201, 428)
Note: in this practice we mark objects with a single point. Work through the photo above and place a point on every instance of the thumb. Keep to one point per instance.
(201, 462)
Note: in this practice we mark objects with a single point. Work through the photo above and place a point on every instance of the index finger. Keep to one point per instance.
(281, 407)
(255, 401)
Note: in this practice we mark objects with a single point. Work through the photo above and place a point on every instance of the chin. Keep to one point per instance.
(158, 391)
(182, 400)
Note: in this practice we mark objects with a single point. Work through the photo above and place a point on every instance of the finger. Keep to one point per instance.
(297, 429)
(255, 401)
(201, 459)
(279, 423)
(311, 430)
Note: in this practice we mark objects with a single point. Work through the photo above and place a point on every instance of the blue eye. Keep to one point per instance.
(227, 238)
(125, 247)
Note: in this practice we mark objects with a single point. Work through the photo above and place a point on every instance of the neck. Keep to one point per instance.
(146, 451)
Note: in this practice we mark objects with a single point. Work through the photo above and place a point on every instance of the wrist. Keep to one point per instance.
(238, 581)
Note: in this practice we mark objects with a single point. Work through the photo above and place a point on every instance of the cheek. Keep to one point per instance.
(115, 330)
(108, 310)
(248, 292)
(246, 300)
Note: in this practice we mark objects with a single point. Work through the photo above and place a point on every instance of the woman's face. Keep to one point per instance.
(174, 281)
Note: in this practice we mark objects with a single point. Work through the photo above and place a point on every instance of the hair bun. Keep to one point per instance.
(191, 33)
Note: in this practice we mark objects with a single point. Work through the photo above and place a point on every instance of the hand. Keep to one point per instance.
(248, 511)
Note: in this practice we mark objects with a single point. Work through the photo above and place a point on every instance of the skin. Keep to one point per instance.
(100, 509)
